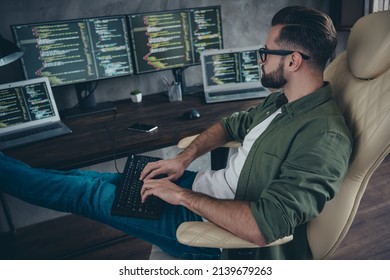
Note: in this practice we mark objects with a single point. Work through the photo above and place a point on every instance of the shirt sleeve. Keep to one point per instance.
(309, 177)
(236, 125)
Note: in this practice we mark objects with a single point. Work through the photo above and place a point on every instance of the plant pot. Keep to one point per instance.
(136, 98)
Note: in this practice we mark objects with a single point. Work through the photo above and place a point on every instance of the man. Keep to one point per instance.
(294, 155)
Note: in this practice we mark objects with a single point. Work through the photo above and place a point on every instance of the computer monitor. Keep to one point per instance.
(76, 52)
(174, 39)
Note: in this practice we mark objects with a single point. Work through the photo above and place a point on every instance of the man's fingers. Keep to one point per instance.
(145, 192)
(148, 170)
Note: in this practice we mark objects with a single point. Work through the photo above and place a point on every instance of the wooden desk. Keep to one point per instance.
(96, 137)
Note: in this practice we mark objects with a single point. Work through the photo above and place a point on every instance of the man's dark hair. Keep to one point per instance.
(307, 30)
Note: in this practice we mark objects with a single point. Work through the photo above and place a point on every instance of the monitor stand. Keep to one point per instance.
(87, 103)
(179, 77)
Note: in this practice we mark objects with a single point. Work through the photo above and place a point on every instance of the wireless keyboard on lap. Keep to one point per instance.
(128, 192)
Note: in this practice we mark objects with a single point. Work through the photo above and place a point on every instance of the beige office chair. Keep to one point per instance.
(360, 78)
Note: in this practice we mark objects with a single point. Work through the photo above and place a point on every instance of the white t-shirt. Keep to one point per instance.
(222, 183)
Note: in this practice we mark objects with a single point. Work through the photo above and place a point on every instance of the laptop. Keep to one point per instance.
(232, 74)
(28, 113)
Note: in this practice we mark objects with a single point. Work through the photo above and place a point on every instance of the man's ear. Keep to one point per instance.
(295, 61)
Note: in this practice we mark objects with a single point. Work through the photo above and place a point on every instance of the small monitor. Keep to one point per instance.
(26, 102)
(232, 74)
(28, 113)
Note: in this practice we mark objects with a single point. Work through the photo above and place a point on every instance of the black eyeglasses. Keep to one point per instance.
(263, 53)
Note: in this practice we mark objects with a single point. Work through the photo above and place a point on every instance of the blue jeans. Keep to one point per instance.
(91, 194)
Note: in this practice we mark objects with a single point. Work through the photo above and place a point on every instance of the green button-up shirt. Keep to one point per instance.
(293, 168)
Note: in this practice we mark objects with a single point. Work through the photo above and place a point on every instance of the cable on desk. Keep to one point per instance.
(107, 126)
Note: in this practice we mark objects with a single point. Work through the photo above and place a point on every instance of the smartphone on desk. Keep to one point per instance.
(142, 127)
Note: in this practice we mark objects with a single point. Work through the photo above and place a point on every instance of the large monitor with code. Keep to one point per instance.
(174, 39)
(75, 51)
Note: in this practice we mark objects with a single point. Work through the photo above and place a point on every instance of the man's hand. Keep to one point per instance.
(173, 168)
(164, 189)
(232, 215)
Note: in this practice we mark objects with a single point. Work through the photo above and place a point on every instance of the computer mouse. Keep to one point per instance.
(191, 114)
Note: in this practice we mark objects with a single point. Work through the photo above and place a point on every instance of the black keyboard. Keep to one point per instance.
(128, 192)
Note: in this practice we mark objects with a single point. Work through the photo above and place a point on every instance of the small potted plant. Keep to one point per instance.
(136, 96)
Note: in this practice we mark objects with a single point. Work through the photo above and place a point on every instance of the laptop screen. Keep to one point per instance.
(231, 70)
(26, 103)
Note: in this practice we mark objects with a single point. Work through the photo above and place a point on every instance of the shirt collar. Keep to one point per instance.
(305, 103)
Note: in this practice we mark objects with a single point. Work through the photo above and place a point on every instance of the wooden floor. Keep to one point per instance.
(70, 237)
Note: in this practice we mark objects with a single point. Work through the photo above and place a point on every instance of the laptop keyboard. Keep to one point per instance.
(127, 200)
(29, 132)
(230, 92)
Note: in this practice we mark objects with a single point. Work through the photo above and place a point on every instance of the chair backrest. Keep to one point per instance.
(360, 78)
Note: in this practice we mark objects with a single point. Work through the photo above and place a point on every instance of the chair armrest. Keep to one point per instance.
(206, 234)
(185, 142)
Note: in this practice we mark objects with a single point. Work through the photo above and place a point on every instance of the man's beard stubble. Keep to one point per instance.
(275, 79)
